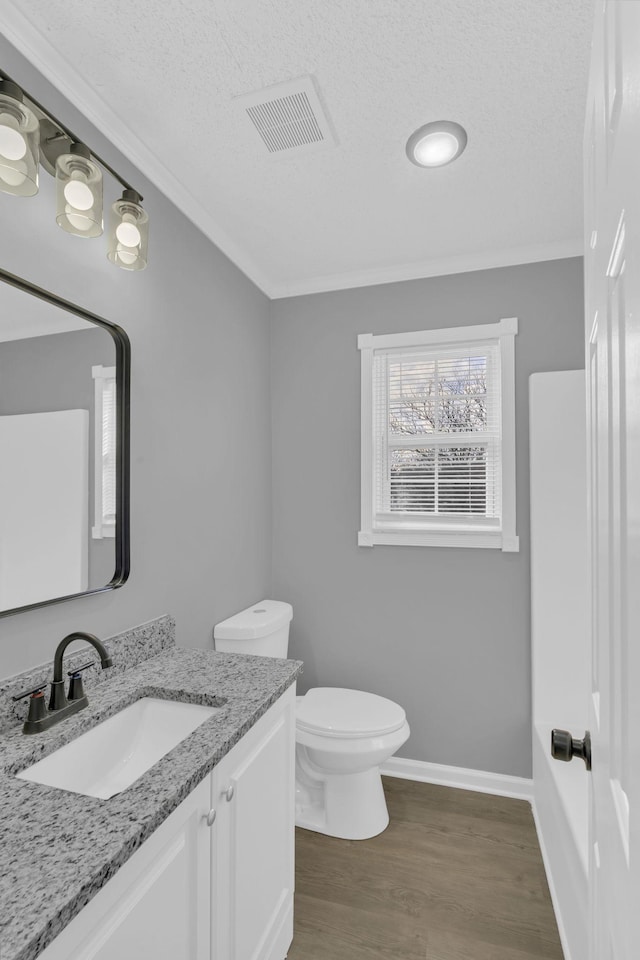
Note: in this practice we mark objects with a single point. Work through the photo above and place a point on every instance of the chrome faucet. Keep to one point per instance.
(61, 705)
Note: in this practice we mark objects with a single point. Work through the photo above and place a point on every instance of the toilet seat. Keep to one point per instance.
(340, 713)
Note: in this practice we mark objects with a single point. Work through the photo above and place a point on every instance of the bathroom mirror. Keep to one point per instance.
(64, 444)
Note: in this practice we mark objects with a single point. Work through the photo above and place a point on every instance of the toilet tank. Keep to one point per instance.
(262, 629)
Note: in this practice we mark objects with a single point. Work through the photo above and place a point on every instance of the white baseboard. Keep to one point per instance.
(553, 892)
(480, 780)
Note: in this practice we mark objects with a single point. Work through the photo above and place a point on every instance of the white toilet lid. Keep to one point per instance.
(335, 712)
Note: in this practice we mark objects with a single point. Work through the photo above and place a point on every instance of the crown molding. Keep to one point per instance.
(440, 267)
(38, 50)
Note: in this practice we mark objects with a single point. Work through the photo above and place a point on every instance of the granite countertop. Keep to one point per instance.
(57, 849)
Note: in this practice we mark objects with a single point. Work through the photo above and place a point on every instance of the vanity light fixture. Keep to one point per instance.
(19, 143)
(129, 232)
(79, 192)
(31, 137)
(436, 144)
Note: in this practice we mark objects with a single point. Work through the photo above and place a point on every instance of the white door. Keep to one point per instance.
(612, 284)
(254, 840)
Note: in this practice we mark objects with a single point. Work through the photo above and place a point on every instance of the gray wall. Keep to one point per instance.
(54, 373)
(445, 632)
(200, 471)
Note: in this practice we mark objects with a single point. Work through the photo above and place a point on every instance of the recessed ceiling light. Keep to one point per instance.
(436, 144)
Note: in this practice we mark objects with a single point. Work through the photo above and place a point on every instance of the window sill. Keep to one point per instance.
(483, 539)
(103, 531)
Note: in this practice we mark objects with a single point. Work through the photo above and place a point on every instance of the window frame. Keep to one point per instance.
(410, 531)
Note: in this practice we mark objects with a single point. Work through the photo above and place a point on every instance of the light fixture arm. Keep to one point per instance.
(10, 88)
(56, 137)
(131, 195)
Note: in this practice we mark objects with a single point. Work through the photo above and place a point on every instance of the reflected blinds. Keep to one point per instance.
(436, 433)
(109, 451)
(105, 446)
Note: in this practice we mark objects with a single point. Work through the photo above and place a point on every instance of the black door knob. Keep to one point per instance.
(565, 747)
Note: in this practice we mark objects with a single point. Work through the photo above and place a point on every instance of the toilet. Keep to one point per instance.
(342, 736)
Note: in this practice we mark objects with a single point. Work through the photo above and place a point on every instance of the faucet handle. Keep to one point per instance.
(76, 671)
(76, 690)
(29, 693)
(37, 706)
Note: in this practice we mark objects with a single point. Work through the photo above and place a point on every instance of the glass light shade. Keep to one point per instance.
(79, 193)
(19, 144)
(128, 233)
(436, 144)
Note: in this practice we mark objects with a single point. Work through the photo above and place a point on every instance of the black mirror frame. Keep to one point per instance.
(123, 411)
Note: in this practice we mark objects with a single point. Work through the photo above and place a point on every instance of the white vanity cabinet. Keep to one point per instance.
(253, 862)
(215, 880)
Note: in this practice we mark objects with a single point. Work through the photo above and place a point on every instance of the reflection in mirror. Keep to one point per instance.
(60, 534)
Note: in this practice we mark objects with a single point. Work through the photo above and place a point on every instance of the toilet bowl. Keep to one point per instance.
(342, 735)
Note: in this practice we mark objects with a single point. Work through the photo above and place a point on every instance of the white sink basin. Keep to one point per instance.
(110, 757)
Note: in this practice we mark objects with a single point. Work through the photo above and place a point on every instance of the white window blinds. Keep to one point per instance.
(105, 452)
(109, 450)
(438, 437)
(437, 434)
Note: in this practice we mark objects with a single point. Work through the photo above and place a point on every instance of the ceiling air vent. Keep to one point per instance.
(288, 115)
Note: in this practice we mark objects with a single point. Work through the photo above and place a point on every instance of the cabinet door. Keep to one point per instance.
(254, 794)
(158, 904)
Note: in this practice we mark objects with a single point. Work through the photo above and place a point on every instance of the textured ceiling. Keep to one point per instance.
(160, 78)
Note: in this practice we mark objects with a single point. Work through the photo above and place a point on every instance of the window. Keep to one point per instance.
(438, 437)
(105, 452)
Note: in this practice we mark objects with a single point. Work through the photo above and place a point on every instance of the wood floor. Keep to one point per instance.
(456, 876)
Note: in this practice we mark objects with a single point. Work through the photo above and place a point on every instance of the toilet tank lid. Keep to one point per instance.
(257, 621)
